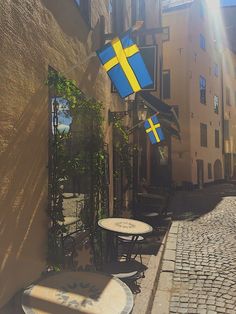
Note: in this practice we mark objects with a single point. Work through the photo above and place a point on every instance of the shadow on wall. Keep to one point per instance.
(23, 199)
(70, 23)
(86, 81)
(74, 26)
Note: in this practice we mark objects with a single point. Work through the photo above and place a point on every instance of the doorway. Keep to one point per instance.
(200, 173)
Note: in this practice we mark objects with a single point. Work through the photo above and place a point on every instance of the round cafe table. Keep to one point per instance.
(78, 292)
(126, 226)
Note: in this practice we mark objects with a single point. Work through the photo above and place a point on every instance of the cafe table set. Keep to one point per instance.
(84, 292)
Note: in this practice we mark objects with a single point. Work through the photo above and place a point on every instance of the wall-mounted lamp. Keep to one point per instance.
(142, 110)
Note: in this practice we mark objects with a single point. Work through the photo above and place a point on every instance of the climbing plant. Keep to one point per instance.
(85, 159)
(125, 149)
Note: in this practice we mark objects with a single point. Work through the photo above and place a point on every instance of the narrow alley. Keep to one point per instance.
(203, 275)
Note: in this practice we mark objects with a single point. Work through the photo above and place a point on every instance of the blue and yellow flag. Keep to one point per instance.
(153, 129)
(124, 64)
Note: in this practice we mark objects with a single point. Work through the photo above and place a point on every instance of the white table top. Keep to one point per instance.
(125, 226)
(78, 292)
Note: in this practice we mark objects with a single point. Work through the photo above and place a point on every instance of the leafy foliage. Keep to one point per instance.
(78, 153)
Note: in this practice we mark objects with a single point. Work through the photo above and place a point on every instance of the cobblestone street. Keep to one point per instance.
(203, 278)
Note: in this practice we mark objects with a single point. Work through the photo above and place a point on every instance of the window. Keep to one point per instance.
(209, 168)
(202, 42)
(226, 129)
(227, 95)
(202, 13)
(166, 84)
(138, 10)
(217, 138)
(202, 90)
(216, 69)
(203, 135)
(216, 104)
(85, 9)
(165, 33)
(137, 14)
(110, 13)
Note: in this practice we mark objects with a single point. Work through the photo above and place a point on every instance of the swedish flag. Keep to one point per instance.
(123, 62)
(153, 129)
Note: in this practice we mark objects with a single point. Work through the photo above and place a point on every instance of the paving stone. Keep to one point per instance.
(205, 269)
(169, 255)
(165, 281)
(211, 307)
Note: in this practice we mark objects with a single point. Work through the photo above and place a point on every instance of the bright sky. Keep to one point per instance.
(227, 2)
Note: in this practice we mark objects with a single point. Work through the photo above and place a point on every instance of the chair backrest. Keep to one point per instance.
(82, 256)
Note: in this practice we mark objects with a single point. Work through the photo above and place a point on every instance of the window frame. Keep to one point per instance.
(209, 170)
(216, 108)
(216, 69)
(202, 42)
(217, 138)
(202, 88)
(203, 135)
(165, 35)
(166, 95)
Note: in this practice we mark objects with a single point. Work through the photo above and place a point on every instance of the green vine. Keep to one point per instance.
(86, 161)
(124, 149)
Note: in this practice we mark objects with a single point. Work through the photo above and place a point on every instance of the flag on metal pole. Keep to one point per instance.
(153, 129)
(124, 64)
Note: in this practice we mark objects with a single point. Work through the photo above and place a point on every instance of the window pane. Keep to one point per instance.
(209, 171)
(216, 104)
(165, 33)
(217, 138)
(202, 42)
(216, 69)
(201, 9)
(202, 90)
(166, 84)
(203, 134)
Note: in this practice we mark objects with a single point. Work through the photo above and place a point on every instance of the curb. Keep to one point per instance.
(161, 300)
(144, 300)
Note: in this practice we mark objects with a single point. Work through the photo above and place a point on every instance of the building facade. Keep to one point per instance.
(63, 35)
(193, 85)
(229, 107)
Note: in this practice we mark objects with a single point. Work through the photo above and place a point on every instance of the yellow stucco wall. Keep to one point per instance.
(34, 35)
(187, 61)
(229, 81)
(175, 59)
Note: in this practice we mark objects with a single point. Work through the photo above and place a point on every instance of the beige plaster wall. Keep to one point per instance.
(175, 59)
(35, 34)
(187, 61)
(229, 80)
(201, 63)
